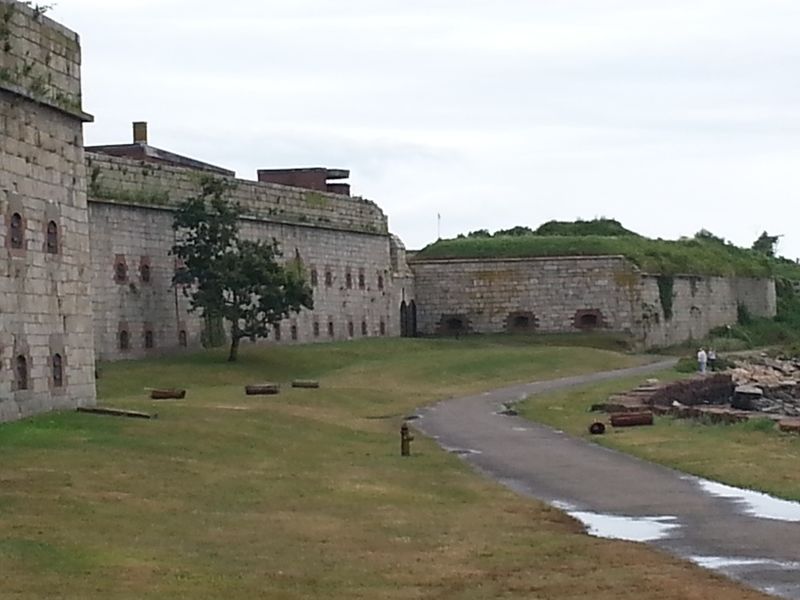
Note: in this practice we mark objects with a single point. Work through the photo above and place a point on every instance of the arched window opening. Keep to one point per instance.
(183, 340)
(454, 325)
(350, 329)
(521, 322)
(316, 328)
(149, 339)
(52, 237)
(293, 331)
(363, 328)
(330, 329)
(328, 279)
(58, 371)
(144, 273)
(120, 272)
(380, 282)
(383, 328)
(124, 340)
(22, 372)
(17, 232)
(362, 282)
(588, 319)
(277, 329)
(404, 319)
(348, 280)
(314, 278)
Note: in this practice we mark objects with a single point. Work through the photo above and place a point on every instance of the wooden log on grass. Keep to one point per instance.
(167, 394)
(262, 389)
(789, 425)
(305, 383)
(116, 412)
(631, 419)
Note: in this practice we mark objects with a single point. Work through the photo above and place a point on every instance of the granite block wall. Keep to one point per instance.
(571, 294)
(700, 304)
(133, 182)
(39, 58)
(347, 258)
(46, 349)
(137, 311)
(536, 294)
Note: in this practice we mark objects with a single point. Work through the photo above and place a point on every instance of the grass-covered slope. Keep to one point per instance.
(684, 257)
(604, 227)
(302, 495)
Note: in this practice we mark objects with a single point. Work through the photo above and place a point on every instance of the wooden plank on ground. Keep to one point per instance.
(116, 412)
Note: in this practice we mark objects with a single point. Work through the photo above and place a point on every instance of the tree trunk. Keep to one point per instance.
(234, 352)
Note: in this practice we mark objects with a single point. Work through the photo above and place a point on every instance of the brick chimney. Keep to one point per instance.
(140, 132)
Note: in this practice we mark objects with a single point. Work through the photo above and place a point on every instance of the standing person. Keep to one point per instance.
(712, 359)
(702, 359)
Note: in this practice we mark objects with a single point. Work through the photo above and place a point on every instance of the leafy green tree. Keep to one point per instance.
(225, 277)
(765, 244)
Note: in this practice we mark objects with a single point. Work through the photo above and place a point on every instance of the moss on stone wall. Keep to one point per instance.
(666, 294)
(146, 196)
(316, 200)
(26, 65)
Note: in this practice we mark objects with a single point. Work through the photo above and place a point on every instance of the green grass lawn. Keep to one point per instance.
(752, 455)
(304, 494)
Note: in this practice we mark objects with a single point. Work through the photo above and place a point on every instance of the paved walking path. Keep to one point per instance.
(749, 536)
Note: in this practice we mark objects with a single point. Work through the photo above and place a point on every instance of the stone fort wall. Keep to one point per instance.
(700, 304)
(568, 294)
(87, 274)
(538, 294)
(46, 348)
(342, 242)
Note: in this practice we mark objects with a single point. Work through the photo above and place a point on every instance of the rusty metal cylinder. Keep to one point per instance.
(631, 419)
(405, 440)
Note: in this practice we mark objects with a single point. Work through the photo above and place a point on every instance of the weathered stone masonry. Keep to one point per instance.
(525, 295)
(563, 294)
(46, 349)
(699, 304)
(90, 275)
(342, 242)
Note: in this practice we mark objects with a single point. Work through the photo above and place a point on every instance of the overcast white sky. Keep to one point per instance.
(669, 116)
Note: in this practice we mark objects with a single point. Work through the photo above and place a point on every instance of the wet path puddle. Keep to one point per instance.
(622, 527)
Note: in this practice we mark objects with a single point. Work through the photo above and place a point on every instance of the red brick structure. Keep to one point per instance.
(315, 178)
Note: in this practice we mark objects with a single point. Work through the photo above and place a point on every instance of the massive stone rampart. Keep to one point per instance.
(39, 58)
(526, 294)
(680, 308)
(341, 241)
(563, 294)
(46, 350)
(150, 184)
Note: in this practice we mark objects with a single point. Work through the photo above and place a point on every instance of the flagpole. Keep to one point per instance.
(438, 226)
